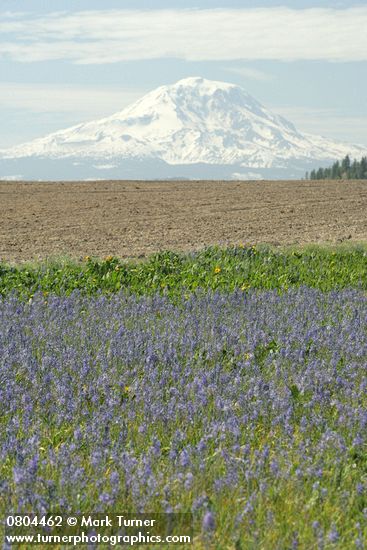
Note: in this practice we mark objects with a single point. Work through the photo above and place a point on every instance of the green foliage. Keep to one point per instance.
(237, 267)
(346, 169)
(263, 351)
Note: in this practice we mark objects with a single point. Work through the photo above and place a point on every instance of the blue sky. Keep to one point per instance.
(64, 62)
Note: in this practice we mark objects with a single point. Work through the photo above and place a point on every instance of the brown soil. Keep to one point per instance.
(132, 219)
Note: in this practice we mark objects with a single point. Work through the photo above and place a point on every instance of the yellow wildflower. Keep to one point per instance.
(217, 269)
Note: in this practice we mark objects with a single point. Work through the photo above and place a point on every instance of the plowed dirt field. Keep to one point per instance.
(134, 219)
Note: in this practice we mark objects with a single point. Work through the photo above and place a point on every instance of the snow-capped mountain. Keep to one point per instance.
(194, 128)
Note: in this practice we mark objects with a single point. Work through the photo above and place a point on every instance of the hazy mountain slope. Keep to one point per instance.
(193, 122)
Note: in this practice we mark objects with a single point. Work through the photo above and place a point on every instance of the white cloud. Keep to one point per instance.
(109, 36)
(247, 176)
(248, 72)
(83, 100)
(13, 177)
(105, 166)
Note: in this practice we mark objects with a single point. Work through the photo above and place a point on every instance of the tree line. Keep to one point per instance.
(346, 169)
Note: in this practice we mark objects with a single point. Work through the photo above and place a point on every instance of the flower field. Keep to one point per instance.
(243, 400)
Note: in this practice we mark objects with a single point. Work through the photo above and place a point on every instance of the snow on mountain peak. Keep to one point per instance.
(205, 85)
(192, 121)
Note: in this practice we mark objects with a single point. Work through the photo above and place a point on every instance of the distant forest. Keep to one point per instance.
(346, 169)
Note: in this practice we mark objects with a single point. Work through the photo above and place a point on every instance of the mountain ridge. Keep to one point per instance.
(192, 122)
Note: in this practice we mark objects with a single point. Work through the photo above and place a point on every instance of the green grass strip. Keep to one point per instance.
(225, 269)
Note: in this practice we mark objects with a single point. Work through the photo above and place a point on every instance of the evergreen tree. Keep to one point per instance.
(346, 166)
(363, 171)
(320, 174)
(344, 169)
(336, 172)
